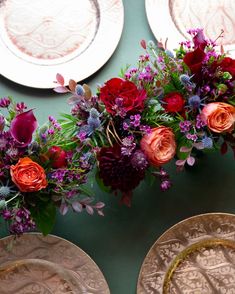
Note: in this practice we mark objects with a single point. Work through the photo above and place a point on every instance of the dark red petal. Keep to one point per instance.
(23, 126)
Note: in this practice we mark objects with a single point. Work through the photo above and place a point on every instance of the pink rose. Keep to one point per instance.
(159, 146)
(219, 116)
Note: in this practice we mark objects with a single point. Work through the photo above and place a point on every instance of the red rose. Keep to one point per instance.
(173, 102)
(194, 60)
(228, 64)
(57, 157)
(120, 97)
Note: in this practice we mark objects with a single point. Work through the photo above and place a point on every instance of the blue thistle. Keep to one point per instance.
(194, 101)
(207, 142)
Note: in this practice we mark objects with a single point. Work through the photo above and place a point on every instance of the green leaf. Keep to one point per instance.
(44, 215)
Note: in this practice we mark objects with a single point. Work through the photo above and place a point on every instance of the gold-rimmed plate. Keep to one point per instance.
(196, 256)
(40, 38)
(58, 251)
(171, 19)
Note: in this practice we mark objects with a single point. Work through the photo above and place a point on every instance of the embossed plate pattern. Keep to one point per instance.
(195, 256)
(37, 276)
(39, 38)
(59, 251)
(172, 18)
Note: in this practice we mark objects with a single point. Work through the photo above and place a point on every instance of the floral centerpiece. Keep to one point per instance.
(167, 108)
(40, 171)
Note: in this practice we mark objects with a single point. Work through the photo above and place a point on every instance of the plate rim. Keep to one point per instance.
(75, 68)
(157, 12)
(165, 232)
(38, 234)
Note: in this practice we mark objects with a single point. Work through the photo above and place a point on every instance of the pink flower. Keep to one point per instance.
(159, 146)
(22, 127)
(219, 116)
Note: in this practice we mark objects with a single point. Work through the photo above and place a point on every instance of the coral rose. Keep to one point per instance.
(120, 97)
(28, 175)
(159, 146)
(219, 116)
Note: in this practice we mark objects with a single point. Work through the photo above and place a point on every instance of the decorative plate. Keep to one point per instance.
(195, 256)
(37, 276)
(59, 251)
(40, 38)
(172, 18)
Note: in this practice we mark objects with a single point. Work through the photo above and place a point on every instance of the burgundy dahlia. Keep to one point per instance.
(117, 171)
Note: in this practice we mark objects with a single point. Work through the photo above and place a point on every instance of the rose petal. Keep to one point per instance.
(22, 127)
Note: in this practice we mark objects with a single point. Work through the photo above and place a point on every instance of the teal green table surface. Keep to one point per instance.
(119, 241)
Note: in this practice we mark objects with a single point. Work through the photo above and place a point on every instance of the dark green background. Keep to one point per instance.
(119, 241)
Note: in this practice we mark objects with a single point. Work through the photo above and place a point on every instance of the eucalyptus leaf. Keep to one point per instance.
(44, 215)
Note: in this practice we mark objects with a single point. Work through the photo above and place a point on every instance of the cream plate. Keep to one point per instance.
(195, 256)
(172, 18)
(58, 251)
(39, 38)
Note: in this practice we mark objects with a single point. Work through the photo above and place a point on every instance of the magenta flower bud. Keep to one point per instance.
(2, 122)
(22, 128)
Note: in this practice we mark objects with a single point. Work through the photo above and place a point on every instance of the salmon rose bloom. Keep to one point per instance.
(159, 146)
(28, 175)
(219, 117)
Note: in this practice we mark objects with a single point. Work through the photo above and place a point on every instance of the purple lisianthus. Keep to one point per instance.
(22, 128)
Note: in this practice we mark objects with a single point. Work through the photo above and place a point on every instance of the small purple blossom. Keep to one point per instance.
(139, 160)
(192, 137)
(199, 122)
(128, 145)
(135, 120)
(21, 221)
(20, 107)
(145, 129)
(125, 126)
(185, 126)
(58, 175)
(51, 132)
(165, 185)
(5, 102)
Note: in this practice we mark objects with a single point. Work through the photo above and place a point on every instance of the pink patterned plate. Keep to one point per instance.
(196, 256)
(39, 38)
(28, 276)
(60, 252)
(172, 18)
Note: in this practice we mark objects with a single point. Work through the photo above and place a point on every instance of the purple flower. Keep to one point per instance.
(22, 128)
(2, 123)
(185, 126)
(165, 185)
(5, 102)
(20, 107)
(199, 122)
(139, 160)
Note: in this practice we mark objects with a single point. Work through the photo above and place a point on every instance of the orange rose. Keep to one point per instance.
(159, 146)
(28, 175)
(219, 116)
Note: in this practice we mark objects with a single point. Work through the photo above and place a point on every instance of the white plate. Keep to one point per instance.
(39, 38)
(172, 18)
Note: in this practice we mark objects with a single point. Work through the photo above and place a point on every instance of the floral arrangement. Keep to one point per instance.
(169, 107)
(40, 171)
